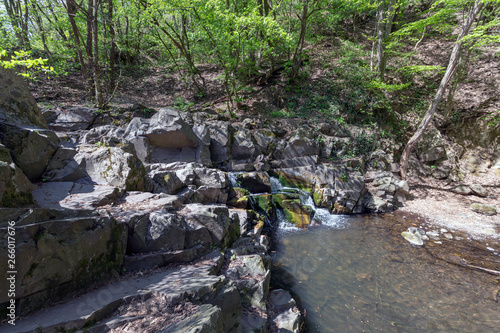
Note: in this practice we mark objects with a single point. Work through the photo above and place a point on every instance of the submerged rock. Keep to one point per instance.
(413, 236)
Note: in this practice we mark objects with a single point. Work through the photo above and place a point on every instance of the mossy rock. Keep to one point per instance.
(483, 209)
(291, 180)
(238, 203)
(293, 209)
(264, 202)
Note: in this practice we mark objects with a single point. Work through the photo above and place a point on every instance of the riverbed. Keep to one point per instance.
(357, 274)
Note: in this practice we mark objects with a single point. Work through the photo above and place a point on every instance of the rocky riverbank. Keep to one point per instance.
(176, 207)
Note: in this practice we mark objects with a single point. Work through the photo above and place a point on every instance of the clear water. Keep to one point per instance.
(356, 274)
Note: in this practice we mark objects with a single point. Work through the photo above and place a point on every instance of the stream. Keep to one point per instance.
(357, 274)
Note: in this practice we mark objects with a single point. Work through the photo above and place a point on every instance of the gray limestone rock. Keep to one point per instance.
(117, 166)
(60, 251)
(31, 149)
(73, 119)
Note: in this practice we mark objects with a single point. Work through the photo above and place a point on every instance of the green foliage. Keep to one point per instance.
(27, 67)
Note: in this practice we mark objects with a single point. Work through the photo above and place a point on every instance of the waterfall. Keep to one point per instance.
(232, 179)
(275, 185)
(321, 215)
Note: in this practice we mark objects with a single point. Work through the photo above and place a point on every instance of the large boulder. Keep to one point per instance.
(157, 231)
(242, 147)
(31, 149)
(117, 166)
(73, 119)
(17, 105)
(300, 144)
(209, 225)
(168, 130)
(209, 185)
(59, 252)
(15, 188)
(220, 141)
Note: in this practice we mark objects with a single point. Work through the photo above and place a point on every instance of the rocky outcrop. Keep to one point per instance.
(17, 105)
(31, 149)
(60, 252)
(117, 166)
(15, 187)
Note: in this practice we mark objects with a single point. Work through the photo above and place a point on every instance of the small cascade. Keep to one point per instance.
(275, 185)
(233, 181)
(321, 215)
(283, 223)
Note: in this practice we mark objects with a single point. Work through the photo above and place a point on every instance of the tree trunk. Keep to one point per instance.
(385, 16)
(450, 71)
(95, 48)
(297, 56)
(71, 9)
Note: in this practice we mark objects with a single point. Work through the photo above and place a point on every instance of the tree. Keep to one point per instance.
(19, 15)
(453, 63)
(385, 16)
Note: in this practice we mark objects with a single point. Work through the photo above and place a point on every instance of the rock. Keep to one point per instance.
(488, 210)
(288, 321)
(212, 185)
(17, 105)
(300, 144)
(160, 231)
(478, 190)
(252, 278)
(31, 149)
(107, 135)
(74, 119)
(220, 141)
(281, 300)
(238, 197)
(265, 141)
(462, 189)
(255, 182)
(15, 188)
(413, 236)
(295, 212)
(208, 319)
(69, 195)
(431, 147)
(209, 225)
(59, 252)
(160, 259)
(242, 147)
(117, 166)
(229, 301)
(63, 167)
(168, 130)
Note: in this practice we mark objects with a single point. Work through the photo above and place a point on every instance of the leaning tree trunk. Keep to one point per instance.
(450, 71)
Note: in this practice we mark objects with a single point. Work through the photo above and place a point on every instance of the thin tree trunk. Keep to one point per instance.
(71, 9)
(95, 61)
(450, 71)
(297, 56)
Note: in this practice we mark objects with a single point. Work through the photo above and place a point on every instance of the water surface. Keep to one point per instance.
(357, 275)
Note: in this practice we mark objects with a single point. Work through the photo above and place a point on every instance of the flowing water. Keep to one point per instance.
(357, 274)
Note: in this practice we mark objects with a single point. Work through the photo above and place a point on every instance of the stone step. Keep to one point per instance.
(188, 282)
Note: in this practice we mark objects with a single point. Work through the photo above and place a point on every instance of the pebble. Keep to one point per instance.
(438, 242)
(433, 234)
(490, 249)
(443, 231)
(448, 236)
